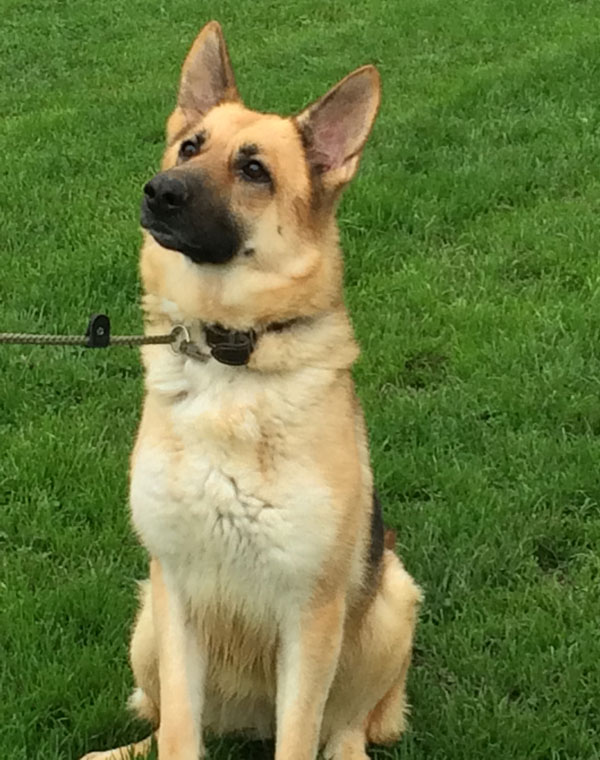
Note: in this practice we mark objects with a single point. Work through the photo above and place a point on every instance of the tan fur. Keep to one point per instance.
(128, 752)
(251, 486)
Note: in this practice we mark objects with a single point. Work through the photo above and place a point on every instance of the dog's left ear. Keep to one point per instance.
(335, 128)
(206, 77)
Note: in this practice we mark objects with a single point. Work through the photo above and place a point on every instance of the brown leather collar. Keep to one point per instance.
(231, 347)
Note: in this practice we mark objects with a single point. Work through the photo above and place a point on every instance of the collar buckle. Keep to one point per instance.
(231, 347)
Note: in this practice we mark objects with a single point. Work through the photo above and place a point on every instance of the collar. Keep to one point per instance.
(231, 347)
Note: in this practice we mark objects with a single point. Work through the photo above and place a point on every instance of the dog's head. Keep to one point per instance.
(248, 189)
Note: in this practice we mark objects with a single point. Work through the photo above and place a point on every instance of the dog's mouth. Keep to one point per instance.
(170, 239)
(203, 240)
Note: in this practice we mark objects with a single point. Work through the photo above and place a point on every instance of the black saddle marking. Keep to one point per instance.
(376, 544)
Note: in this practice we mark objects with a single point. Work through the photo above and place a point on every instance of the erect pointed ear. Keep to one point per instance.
(206, 77)
(335, 127)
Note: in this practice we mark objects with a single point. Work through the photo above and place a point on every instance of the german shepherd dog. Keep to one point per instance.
(276, 605)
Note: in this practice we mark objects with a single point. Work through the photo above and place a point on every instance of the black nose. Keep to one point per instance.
(165, 194)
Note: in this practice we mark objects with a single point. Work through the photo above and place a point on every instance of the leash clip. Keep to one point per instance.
(179, 336)
(181, 343)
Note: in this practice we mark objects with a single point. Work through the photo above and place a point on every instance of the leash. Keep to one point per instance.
(97, 335)
(231, 347)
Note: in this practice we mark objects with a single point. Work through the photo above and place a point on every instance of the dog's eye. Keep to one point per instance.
(190, 148)
(254, 171)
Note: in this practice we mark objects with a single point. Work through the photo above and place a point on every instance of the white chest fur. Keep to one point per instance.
(221, 489)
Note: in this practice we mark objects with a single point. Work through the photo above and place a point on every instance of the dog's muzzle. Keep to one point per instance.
(184, 213)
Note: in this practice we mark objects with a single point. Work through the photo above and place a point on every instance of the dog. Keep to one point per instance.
(276, 605)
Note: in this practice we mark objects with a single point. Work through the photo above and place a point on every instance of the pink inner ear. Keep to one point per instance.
(330, 145)
(339, 126)
(336, 139)
(204, 83)
(207, 78)
(323, 153)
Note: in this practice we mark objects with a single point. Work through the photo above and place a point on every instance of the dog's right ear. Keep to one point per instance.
(206, 78)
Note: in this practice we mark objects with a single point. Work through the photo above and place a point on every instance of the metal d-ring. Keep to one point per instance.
(181, 343)
(180, 337)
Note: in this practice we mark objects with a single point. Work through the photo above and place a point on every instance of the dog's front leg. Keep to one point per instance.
(181, 668)
(309, 648)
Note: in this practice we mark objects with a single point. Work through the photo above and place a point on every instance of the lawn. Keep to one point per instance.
(473, 278)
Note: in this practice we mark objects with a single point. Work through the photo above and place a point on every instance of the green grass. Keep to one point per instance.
(473, 278)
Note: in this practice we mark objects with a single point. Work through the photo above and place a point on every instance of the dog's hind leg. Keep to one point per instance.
(387, 721)
(367, 701)
(143, 654)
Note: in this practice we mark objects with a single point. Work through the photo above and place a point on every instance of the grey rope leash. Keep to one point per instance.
(25, 339)
(97, 336)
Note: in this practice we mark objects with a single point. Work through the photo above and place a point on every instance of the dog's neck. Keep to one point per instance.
(324, 340)
(243, 299)
(242, 295)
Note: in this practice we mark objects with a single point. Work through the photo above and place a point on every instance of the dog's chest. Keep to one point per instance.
(214, 496)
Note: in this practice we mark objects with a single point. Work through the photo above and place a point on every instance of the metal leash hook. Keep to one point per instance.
(181, 343)
(98, 331)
